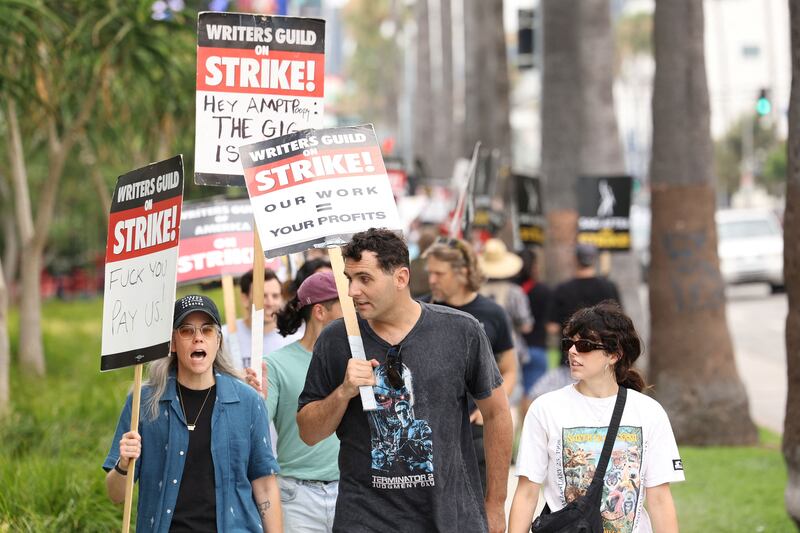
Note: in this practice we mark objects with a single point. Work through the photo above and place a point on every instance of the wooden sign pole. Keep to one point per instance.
(136, 397)
(257, 308)
(350, 322)
(229, 303)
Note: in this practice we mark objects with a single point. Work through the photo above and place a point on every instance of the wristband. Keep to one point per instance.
(119, 469)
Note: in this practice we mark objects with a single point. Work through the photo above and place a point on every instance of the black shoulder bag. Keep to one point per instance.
(583, 514)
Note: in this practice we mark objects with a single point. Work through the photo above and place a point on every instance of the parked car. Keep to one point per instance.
(750, 246)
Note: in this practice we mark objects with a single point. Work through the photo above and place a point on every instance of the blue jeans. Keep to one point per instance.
(534, 369)
(308, 506)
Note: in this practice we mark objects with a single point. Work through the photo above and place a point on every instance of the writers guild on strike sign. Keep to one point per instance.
(141, 257)
(317, 184)
(258, 77)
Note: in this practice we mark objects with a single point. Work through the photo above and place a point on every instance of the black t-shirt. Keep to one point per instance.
(409, 465)
(578, 293)
(539, 298)
(494, 320)
(495, 323)
(196, 507)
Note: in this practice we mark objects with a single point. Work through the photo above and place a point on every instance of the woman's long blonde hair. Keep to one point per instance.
(159, 370)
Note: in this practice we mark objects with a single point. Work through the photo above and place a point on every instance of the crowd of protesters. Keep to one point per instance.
(453, 337)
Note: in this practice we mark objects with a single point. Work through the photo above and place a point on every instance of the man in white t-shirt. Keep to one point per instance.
(239, 343)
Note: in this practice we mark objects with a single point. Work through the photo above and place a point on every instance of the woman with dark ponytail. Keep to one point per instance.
(292, 316)
(564, 431)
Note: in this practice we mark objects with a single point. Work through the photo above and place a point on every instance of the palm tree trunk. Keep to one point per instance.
(423, 94)
(561, 134)
(692, 364)
(600, 146)
(487, 99)
(791, 274)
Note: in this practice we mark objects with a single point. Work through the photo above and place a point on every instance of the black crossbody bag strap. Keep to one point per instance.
(608, 445)
(611, 435)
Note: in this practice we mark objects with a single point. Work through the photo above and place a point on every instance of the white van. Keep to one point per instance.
(750, 246)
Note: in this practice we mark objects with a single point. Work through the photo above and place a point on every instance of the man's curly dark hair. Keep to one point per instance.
(390, 248)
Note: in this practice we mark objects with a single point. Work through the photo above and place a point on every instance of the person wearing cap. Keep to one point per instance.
(204, 455)
(455, 279)
(309, 474)
(585, 289)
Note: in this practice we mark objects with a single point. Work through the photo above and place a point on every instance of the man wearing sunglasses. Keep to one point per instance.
(410, 465)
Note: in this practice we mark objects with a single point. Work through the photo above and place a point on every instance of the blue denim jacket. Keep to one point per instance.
(240, 448)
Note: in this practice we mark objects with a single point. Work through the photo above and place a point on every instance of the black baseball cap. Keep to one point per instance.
(194, 302)
(586, 254)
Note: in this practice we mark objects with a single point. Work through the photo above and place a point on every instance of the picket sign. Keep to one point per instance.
(140, 278)
(464, 204)
(315, 189)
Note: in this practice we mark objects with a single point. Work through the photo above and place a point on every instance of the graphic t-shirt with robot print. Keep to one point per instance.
(411, 461)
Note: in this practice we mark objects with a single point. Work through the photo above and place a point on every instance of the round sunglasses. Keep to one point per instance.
(188, 331)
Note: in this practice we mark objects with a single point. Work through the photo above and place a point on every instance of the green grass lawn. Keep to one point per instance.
(53, 444)
(733, 489)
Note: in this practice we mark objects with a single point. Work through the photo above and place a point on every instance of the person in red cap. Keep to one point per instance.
(309, 479)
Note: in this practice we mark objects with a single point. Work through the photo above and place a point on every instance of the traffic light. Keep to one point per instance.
(763, 104)
(526, 39)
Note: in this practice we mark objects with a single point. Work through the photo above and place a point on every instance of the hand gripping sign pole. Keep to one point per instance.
(350, 322)
(129, 479)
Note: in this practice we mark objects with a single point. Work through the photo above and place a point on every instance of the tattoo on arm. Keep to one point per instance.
(263, 507)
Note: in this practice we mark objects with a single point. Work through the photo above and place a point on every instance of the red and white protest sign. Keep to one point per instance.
(217, 240)
(141, 259)
(258, 77)
(317, 184)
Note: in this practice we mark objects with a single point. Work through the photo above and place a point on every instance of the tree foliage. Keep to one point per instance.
(87, 85)
(633, 35)
(374, 71)
(769, 155)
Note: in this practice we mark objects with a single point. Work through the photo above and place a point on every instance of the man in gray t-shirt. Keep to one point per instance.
(409, 465)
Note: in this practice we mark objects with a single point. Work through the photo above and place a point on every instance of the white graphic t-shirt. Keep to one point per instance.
(562, 439)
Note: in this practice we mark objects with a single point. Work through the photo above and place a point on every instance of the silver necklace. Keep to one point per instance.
(194, 424)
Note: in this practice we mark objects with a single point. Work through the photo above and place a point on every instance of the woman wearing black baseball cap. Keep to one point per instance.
(205, 462)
